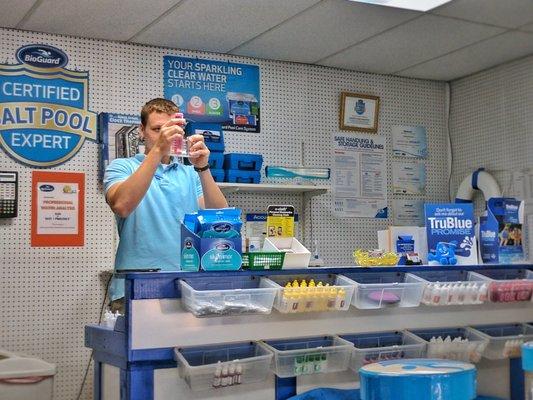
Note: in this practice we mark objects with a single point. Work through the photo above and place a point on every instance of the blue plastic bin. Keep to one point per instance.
(238, 176)
(213, 134)
(243, 161)
(216, 160)
(218, 175)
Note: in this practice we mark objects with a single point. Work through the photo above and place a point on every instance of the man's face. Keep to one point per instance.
(150, 132)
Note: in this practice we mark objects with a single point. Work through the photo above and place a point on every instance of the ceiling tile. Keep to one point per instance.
(323, 30)
(103, 19)
(527, 28)
(13, 11)
(214, 25)
(409, 44)
(506, 13)
(480, 56)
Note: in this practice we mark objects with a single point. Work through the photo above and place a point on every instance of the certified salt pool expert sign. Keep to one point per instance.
(44, 116)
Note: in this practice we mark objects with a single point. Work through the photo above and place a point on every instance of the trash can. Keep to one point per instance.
(421, 379)
(25, 378)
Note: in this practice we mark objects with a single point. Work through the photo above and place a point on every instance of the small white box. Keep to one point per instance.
(296, 255)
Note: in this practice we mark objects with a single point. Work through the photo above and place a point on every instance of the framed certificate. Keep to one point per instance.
(359, 112)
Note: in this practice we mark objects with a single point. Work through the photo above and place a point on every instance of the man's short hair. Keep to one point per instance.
(157, 105)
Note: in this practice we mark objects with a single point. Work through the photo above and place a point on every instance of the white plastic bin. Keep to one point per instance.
(231, 296)
(25, 378)
(311, 355)
(457, 343)
(224, 365)
(506, 286)
(335, 297)
(505, 340)
(381, 346)
(296, 254)
(446, 288)
(384, 289)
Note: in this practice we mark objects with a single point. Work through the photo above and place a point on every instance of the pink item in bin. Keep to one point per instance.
(507, 292)
(379, 296)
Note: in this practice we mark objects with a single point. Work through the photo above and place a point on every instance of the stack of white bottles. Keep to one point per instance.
(460, 349)
(227, 375)
(512, 348)
(455, 293)
(110, 318)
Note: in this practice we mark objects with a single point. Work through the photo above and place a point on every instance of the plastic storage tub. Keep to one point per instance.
(381, 346)
(216, 160)
(418, 379)
(527, 365)
(238, 176)
(219, 366)
(443, 288)
(218, 175)
(385, 289)
(506, 286)
(312, 355)
(505, 340)
(313, 297)
(243, 161)
(25, 378)
(462, 344)
(206, 297)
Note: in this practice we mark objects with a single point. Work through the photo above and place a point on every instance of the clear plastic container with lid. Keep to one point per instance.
(527, 365)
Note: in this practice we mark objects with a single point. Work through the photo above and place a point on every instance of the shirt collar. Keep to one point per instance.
(174, 163)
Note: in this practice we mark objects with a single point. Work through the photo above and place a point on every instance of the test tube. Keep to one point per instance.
(179, 146)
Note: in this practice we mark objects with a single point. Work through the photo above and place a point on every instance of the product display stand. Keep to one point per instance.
(135, 359)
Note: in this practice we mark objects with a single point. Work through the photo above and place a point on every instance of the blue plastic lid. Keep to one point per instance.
(527, 356)
(421, 379)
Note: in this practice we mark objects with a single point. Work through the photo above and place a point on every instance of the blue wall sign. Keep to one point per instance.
(214, 91)
(44, 116)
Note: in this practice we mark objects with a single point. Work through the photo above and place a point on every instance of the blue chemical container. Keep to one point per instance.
(243, 161)
(238, 176)
(218, 175)
(420, 379)
(216, 160)
(213, 134)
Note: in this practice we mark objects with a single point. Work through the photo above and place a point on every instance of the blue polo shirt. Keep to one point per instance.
(150, 236)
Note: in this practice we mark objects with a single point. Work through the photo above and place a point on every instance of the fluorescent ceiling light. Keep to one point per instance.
(417, 5)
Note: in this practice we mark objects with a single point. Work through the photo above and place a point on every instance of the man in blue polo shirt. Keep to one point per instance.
(150, 193)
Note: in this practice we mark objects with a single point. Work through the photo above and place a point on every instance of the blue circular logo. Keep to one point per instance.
(42, 56)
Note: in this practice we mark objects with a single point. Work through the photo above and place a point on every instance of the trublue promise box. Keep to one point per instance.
(209, 254)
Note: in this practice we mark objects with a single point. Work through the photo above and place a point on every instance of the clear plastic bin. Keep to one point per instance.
(506, 286)
(461, 344)
(304, 356)
(226, 296)
(385, 289)
(381, 346)
(505, 340)
(219, 366)
(334, 297)
(443, 288)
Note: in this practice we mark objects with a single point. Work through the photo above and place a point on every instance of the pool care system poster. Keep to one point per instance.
(214, 92)
(44, 115)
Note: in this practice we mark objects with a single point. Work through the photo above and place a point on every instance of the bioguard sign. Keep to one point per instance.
(44, 116)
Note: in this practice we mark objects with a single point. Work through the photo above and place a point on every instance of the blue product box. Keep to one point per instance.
(213, 134)
(218, 174)
(209, 254)
(216, 160)
(450, 234)
(501, 239)
(238, 176)
(243, 161)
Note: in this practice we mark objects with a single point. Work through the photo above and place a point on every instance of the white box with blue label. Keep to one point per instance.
(450, 234)
(500, 228)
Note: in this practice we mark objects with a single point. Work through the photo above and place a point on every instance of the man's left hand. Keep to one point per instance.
(198, 151)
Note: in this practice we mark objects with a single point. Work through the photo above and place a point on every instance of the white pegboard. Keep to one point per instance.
(49, 294)
(491, 124)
